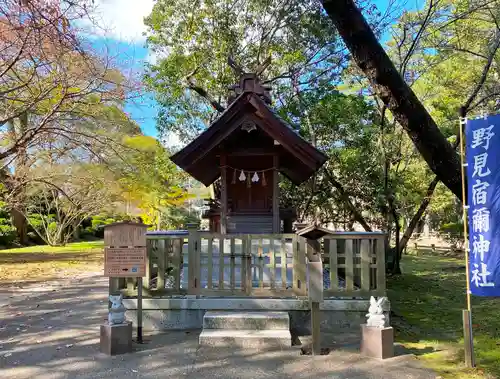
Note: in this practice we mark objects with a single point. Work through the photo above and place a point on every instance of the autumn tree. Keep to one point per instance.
(47, 74)
(149, 180)
(56, 94)
(61, 201)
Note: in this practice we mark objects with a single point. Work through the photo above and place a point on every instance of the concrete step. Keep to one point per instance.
(247, 320)
(249, 339)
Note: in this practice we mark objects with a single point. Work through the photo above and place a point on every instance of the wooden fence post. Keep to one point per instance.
(194, 249)
(247, 263)
(380, 259)
(299, 266)
(315, 292)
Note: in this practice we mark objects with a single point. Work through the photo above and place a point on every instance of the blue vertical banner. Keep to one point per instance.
(482, 137)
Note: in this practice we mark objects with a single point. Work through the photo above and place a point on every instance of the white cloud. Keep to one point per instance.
(120, 19)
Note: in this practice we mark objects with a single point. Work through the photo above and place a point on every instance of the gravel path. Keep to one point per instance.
(51, 330)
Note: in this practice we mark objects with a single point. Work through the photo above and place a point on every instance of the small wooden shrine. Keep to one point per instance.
(248, 146)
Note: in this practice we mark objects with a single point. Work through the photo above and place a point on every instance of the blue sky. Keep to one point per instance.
(123, 40)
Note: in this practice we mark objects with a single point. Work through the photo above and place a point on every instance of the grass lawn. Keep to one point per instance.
(427, 301)
(35, 263)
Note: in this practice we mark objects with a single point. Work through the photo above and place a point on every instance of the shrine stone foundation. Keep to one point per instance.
(341, 317)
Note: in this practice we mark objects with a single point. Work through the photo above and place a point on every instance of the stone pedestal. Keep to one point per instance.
(116, 339)
(377, 342)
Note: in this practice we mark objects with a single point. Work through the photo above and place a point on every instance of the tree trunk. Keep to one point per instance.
(350, 225)
(76, 231)
(418, 215)
(395, 93)
(21, 225)
(16, 128)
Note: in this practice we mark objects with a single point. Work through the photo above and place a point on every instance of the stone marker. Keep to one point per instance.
(116, 339)
(116, 335)
(377, 337)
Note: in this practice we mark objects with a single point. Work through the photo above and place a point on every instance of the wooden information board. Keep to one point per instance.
(124, 262)
(125, 250)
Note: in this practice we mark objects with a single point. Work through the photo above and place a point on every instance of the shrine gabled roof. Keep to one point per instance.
(299, 159)
(314, 232)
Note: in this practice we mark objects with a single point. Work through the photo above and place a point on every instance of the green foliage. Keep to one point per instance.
(298, 36)
(449, 56)
(452, 227)
(453, 232)
(7, 234)
(372, 157)
(348, 129)
(177, 218)
(97, 223)
(427, 303)
(102, 220)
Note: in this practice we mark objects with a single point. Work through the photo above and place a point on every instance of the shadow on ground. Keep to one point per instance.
(91, 255)
(56, 335)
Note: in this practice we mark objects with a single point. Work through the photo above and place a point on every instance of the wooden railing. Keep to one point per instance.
(257, 265)
(246, 265)
(356, 264)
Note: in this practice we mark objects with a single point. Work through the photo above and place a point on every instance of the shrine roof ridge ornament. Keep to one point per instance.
(249, 102)
(249, 82)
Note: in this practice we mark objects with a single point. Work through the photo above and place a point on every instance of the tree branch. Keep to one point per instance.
(386, 81)
(484, 75)
(346, 200)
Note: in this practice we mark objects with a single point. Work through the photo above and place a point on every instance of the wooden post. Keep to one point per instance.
(223, 194)
(315, 291)
(333, 261)
(146, 280)
(193, 257)
(467, 314)
(162, 263)
(139, 310)
(114, 288)
(248, 262)
(468, 340)
(276, 195)
(365, 265)
(299, 266)
(316, 327)
(349, 264)
(381, 279)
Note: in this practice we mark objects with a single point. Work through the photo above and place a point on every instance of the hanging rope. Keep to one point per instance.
(249, 171)
(250, 176)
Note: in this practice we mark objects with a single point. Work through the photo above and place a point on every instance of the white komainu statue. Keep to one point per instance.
(117, 311)
(376, 317)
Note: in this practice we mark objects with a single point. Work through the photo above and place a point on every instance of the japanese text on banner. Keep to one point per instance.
(483, 179)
